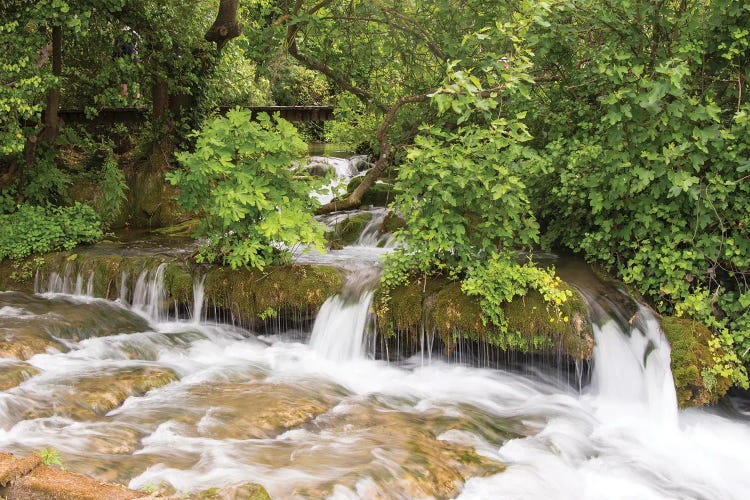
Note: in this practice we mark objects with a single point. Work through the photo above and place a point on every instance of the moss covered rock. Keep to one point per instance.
(379, 194)
(251, 296)
(391, 222)
(442, 306)
(348, 230)
(692, 361)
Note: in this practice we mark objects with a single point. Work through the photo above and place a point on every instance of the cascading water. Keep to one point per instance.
(339, 330)
(128, 395)
(632, 368)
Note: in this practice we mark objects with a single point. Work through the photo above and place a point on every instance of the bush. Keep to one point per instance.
(240, 182)
(34, 229)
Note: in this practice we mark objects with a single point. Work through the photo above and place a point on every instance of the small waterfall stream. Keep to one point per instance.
(340, 327)
(129, 392)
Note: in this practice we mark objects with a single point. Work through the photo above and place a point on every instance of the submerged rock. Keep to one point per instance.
(98, 394)
(254, 411)
(246, 491)
(13, 373)
(89, 397)
(692, 361)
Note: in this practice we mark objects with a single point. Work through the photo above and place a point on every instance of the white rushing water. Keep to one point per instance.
(321, 419)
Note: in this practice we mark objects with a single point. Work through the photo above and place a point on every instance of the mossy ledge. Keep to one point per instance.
(252, 298)
(441, 306)
(692, 361)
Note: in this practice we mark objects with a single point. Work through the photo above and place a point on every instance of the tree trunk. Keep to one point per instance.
(161, 148)
(225, 26)
(51, 119)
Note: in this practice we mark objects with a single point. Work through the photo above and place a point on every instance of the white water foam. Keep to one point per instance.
(621, 439)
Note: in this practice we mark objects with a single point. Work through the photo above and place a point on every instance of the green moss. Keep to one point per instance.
(531, 326)
(391, 222)
(379, 194)
(400, 310)
(691, 358)
(178, 281)
(251, 295)
(348, 230)
(182, 230)
(454, 314)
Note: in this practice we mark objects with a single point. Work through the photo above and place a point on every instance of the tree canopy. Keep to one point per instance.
(615, 130)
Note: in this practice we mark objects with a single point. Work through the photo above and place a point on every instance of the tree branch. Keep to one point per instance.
(225, 26)
(355, 198)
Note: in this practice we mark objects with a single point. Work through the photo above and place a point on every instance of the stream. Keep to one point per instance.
(127, 393)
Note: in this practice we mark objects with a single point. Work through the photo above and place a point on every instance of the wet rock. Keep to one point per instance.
(45, 483)
(348, 230)
(13, 373)
(44, 321)
(361, 162)
(249, 411)
(97, 395)
(22, 339)
(692, 360)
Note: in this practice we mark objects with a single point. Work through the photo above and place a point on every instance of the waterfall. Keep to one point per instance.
(632, 368)
(372, 235)
(339, 330)
(198, 298)
(149, 293)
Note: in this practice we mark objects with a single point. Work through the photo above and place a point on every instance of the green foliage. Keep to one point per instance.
(50, 457)
(643, 151)
(112, 188)
(239, 179)
(500, 279)
(34, 229)
(46, 182)
(298, 86)
(464, 200)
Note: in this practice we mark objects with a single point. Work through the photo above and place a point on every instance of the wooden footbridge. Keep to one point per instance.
(134, 116)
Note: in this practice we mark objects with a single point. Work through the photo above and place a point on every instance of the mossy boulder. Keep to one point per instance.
(441, 305)
(379, 194)
(348, 230)
(692, 361)
(251, 296)
(391, 222)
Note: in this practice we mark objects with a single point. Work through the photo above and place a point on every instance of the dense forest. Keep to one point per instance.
(618, 131)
